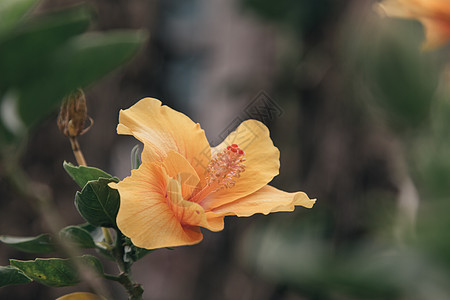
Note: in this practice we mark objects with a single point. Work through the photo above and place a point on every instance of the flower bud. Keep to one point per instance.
(73, 114)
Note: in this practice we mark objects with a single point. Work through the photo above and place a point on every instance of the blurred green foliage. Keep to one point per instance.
(390, 80)
(46, 56)
(301, 16)
(401, 78)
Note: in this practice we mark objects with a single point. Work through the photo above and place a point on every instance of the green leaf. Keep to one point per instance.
(56, 272)
(95, 232)
(98, 203)
(10, 275)
(11, 11)
(83, 60)
(83, 174)
(78, 236)
(39, 244)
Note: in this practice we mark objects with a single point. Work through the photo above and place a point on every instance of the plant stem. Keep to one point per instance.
(107, 235)
(82, 162)
(77, 151)
(133, 289)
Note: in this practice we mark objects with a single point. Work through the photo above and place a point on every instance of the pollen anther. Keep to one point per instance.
(225, 167)
(222, 171)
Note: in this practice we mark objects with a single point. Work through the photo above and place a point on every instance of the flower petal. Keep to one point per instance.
(163, 129)
(179, 168)
(262, 162)
(145, 215)
(215, 221)
(266, 200)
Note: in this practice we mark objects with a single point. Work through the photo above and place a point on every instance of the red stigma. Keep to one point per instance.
(234, 150)
(241, 151)
(228, 148)
(234, 146)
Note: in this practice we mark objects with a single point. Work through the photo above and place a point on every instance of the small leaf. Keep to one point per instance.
(10, 275)
(40, 244)
(56, 272)
(83, 174)
(78, 236)
(98, 203)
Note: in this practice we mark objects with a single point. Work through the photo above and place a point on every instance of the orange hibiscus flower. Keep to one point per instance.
(184, 184)
(433, 14)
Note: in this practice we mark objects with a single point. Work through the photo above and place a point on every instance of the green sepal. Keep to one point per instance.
(78, 236)
(135, 159)
(56, 272)
(39, 244)
(82, 174)
(98, 203)
(10, 275)
(132, 252)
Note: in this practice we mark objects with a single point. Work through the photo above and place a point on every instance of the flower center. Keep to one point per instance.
(222, 171)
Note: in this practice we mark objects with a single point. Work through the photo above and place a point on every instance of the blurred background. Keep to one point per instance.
(361, 117)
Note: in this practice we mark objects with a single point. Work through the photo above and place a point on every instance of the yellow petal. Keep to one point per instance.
(163, 129)
(178, 167)
(215, 221)
(146, 216)
(261, 165)
(266, 200)
(81, 296)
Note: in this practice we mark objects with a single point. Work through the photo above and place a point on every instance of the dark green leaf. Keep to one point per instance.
(10, 275)
(83, 174)
(77, 236)
(93, 262)
(39, 244)
(98, 203)
(83, 60)
(56, 272)
(95, 232)
(11, 11)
